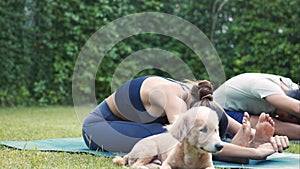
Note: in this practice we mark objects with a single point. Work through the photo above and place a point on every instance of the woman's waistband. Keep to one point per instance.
(106, 113)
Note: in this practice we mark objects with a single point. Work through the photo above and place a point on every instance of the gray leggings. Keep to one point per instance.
(104, 131)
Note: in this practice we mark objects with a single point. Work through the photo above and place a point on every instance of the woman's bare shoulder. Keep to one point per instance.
(161, 85)
(156, 82)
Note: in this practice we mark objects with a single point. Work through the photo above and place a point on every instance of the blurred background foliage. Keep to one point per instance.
(40, 41)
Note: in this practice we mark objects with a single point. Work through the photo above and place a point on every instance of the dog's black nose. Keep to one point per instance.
(219, 146)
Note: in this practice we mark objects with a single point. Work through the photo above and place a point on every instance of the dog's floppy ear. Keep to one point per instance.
(183, 124)
(179, 128)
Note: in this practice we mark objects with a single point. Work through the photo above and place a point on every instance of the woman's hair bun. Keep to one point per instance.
(205, 90)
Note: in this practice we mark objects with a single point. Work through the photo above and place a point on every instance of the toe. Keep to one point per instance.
(262, 117)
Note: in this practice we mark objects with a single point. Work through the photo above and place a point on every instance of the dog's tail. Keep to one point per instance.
(120, 161)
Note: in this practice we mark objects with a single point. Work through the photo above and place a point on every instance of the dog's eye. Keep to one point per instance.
(204, 129)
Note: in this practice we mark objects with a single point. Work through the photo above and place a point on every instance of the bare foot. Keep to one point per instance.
(242, 137)
(264, 130)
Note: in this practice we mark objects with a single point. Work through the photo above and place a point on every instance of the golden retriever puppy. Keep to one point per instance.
(189, 142)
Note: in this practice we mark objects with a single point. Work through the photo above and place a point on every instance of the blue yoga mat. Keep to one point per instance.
(71, 145)
(77, 145)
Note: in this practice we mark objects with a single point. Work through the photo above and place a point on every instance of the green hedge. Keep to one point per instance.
(41, 40)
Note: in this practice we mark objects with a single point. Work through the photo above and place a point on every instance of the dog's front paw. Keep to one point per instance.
(120, 161)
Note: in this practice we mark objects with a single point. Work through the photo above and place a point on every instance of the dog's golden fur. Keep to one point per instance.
(189, 142)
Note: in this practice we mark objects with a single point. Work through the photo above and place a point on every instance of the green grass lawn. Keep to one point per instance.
(36, 123)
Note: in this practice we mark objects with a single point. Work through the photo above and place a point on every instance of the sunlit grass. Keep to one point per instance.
(35, 123)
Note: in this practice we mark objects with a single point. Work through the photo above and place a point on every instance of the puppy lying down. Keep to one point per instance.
(189, 142)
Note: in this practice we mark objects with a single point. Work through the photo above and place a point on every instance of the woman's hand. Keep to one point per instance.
(276, 144)
(280, 143)
(262, 151)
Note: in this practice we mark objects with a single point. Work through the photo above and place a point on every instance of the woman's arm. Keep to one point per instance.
(285, 103)
(174, 107)
(259, 153)
(166, 98)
